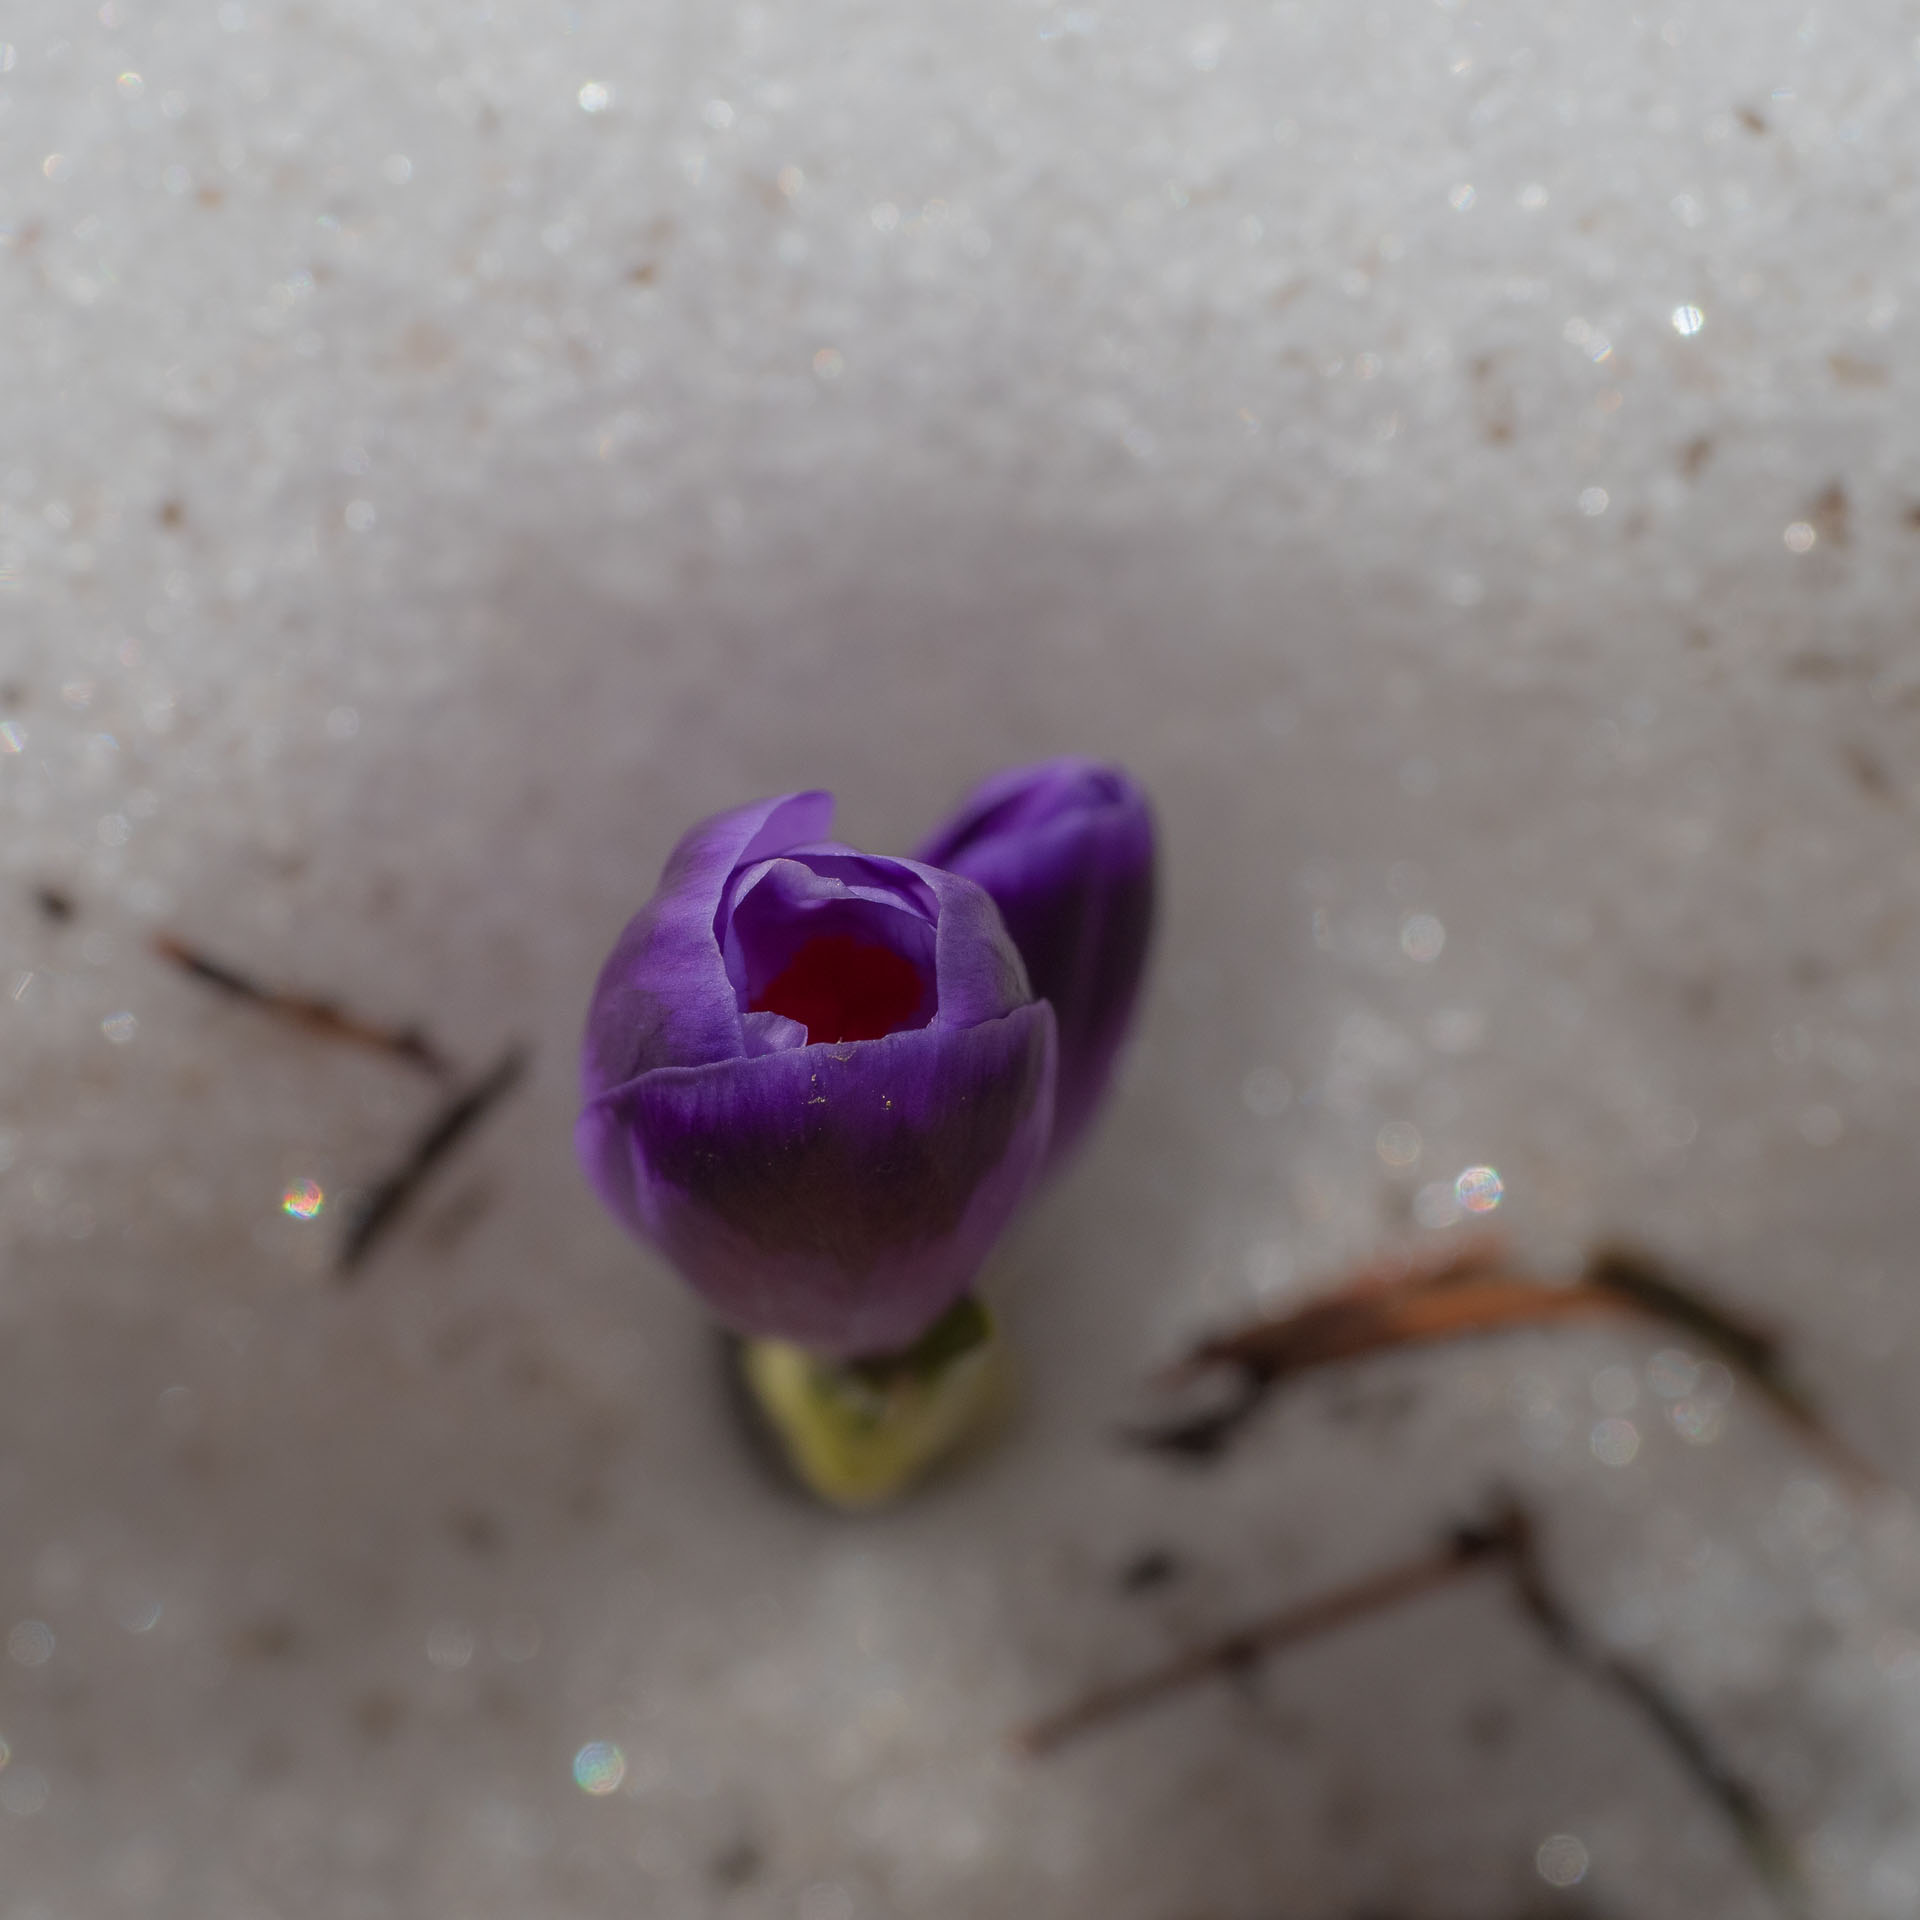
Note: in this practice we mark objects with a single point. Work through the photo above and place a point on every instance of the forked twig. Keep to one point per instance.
(1508, 1539)
(325, 1018)
(1243, 1648)
(454, 1121)
(1472, 1290)
(1765, 1845)
(463, 1110)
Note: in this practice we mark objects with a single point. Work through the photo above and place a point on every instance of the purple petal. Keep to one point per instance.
(1066, 851)
(771, 1033)
(778, 906)
(839, 1196)
(981, 973)
(663, 998)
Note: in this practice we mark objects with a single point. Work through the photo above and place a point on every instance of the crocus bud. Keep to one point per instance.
(816, 1079)
(1066, 850)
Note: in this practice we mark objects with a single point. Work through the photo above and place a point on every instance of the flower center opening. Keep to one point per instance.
(840, 988)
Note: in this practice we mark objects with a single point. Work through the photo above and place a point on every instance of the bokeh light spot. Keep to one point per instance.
(1421, 937)
(30, 1642)
(1479, 1189)
(303, 1199)
(599, 1767)
(1614, 1442)
(1561, 1860)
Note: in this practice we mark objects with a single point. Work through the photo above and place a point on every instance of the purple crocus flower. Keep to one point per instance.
(816, 1079)
(1066, 849)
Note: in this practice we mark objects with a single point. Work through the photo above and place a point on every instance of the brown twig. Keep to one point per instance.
(1342, 1323)
(1765, 1846)
(1467, 1292)
(390, 1197)
(1237, 1651)
(1508, 1539)
(1647, 1288)
(325, 1018)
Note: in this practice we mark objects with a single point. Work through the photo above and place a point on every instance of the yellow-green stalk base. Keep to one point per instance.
(859, 1434)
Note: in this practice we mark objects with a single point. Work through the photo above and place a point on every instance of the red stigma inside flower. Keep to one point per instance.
(839, 988)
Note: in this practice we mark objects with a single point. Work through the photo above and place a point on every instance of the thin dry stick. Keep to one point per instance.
(1766, 1847)
(1650, 1290)
(325, 1018)
(1468, 1294)
(1241, 1649)
(1341, 1322)
(390, 1197)
(1508, 1538)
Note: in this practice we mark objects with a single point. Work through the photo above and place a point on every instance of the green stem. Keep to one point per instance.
(859, 1433)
